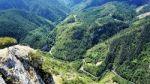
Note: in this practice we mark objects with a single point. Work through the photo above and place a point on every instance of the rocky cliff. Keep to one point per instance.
(15, 67)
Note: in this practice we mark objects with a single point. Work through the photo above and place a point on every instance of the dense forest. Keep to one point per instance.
(80, 41)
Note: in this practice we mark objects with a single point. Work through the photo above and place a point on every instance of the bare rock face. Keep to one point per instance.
(2, 80)
(16, 69)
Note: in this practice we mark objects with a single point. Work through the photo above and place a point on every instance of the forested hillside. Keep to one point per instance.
(49, 9)
(75, 41)
(30, 21)
(77, 34)
(110, 37)
(20, 24)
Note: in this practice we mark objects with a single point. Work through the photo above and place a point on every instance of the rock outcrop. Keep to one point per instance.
(2, 80)
(15, 67)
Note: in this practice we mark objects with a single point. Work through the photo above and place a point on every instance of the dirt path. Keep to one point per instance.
(84, 71)
(75, 17)
(140, 8)
(143, 15)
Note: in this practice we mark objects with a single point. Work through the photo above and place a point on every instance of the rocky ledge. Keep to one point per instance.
(15, 67)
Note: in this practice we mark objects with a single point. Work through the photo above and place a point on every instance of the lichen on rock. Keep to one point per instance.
(16, 68)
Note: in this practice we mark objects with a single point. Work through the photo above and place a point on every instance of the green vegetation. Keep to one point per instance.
(75, 37)
(97, 53)
(76, 64)
(111, 77)
(92, 68)
(103, 42)
(24, 26)
(124, 53)
(146, 8)
(37, 38)
(127, 55)
(99, 45)
(52, 10)
(63, 70)
(21, 19)
(7, 41)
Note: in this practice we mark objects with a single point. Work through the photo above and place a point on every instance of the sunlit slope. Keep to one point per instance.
(126, 53)
(84, 29)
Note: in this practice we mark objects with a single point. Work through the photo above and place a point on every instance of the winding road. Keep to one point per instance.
(88, 73)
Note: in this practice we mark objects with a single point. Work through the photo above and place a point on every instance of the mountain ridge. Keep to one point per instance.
(75, 42)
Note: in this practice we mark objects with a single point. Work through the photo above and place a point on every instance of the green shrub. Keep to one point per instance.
(76, 64)
(7, 41)
(74, 81)
(97, 53)
(36, 59)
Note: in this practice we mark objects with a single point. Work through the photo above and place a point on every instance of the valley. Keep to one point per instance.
(75, 41)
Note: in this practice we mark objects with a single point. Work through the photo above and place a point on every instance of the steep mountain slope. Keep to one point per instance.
(110, 39)
(49, 9)
(84, 29)
(99, 42)
(30, 21)
(17, 67)
(129, 53)
(83, 4)
(125, 54)
(71, 3)
(19, 24)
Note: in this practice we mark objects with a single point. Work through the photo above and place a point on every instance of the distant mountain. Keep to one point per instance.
(82, 41)
(139, 2)
(71, 3)
(49, 9)
(19, 24)
(82, 4)
(57, 10)
(29, 21)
